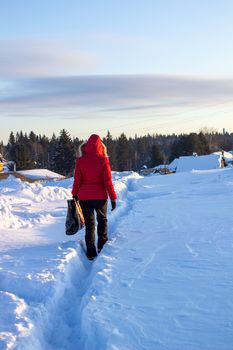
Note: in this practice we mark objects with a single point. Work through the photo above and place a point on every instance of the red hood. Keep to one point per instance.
(94, 145)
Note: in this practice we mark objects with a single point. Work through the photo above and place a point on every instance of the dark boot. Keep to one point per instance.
(91, 251)
(101, 243)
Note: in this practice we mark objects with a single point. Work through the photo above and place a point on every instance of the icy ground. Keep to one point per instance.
(163, 281)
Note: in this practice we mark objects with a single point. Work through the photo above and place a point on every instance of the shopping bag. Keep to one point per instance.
(74, 218)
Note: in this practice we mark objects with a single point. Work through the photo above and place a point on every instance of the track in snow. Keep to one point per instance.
(59, 323)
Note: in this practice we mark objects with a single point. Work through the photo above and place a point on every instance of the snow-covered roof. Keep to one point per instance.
(174, 163)
(189, 163)
(40, 174)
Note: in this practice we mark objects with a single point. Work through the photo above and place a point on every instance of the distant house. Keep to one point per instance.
(207, 162)
(40, 174)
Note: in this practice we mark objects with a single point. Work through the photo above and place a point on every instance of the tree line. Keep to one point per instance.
(58, 153)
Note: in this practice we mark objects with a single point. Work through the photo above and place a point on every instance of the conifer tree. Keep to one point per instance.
(42, 151)
(51, 152)
(111, 150)
(32, 137)
(11, 147)
(23, 156)
(156, 156)
(123, 153)
(204, 147)
(64, 157)
(142, 153)
(11, 138)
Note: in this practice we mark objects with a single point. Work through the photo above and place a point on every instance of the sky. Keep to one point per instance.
(132, 66)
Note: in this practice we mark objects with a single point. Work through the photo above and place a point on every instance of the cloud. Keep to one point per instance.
(116, 93)
(133, 104)
(39, 58)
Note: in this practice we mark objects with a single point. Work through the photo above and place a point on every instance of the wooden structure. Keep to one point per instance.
(159, 170)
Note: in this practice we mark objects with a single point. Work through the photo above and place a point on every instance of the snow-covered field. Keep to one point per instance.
(163, 281)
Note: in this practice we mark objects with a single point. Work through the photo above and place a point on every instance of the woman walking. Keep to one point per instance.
(92, 187)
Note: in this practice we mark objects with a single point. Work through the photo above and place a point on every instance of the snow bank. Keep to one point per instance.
(24, 205)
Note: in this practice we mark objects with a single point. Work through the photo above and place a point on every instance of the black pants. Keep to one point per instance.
(89, 207)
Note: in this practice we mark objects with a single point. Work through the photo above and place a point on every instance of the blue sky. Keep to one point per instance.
(133, 66)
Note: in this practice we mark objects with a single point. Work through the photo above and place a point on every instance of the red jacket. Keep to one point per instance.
(92, 176)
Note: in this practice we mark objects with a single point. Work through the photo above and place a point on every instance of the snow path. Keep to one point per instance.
(59, 319)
